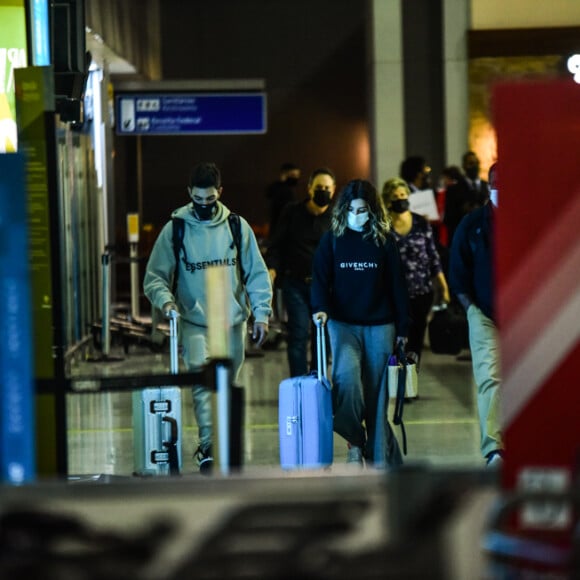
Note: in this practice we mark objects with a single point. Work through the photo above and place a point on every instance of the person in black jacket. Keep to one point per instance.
(289, 259)
(415, 171)
(359, 289)
(471, 280)
(465, 195)
(281, 192)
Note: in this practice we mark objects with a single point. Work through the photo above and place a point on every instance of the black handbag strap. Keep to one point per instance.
(400, 400)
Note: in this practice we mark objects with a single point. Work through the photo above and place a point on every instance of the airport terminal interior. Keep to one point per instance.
(262, 521)
(441, 423)
(356, 86)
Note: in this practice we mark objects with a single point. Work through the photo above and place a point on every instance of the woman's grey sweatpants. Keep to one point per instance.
(359, 356)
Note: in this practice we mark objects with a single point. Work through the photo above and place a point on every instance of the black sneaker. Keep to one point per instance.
(204, 460)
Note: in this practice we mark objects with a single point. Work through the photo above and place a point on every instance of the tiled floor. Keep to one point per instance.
(258, 516)
(442, 428)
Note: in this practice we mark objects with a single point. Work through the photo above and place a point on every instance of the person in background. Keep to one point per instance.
(208, 239)
(289, 258)
(449, 176)
(415, 171)
(421, 263)
(471, 280)
(359, 291)
(465, 195)
(281, 192)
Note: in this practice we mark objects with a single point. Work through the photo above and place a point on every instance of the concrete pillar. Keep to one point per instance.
(385, 73)
(456, 23)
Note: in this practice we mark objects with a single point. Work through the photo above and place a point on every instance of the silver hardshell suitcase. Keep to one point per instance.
(157, 422)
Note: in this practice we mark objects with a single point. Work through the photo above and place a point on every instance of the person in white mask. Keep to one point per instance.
(359, 291)
(471, 280)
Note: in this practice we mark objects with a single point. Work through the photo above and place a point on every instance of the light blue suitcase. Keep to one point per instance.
(305, 416)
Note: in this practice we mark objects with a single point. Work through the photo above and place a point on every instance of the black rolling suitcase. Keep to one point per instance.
(448, 331)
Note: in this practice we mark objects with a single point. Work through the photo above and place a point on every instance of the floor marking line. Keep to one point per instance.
(274, 426)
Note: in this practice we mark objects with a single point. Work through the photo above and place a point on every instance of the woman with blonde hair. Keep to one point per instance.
(421, 262)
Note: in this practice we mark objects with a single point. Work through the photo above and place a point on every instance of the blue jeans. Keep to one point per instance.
(359, 357)
(296, 295)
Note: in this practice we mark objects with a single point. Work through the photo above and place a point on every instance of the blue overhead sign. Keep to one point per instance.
(190, 113)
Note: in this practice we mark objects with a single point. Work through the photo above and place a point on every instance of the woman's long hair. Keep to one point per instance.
(379, 224)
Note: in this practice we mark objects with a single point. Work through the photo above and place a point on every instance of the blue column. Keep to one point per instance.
(17, 432)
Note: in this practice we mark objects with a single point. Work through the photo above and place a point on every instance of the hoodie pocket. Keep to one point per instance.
(193, 312)
(240, 309)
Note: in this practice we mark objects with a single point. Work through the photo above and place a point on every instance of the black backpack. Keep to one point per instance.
(179, 232)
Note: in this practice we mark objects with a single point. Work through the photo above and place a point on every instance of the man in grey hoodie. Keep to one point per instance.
(209, 240)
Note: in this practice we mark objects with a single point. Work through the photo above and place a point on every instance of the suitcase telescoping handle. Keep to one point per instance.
(321, 348)
(173, 346)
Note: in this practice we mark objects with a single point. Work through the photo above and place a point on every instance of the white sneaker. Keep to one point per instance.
(494, 460)
(354, 455)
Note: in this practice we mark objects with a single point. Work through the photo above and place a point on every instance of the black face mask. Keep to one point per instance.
(472, 172)
(204, 212)
(321, 197)
(291, 181)
(400, 205)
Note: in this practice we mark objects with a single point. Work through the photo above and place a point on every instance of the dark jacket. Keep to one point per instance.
(279, 194)
(461, 198)
(295, 240)
(355, 281)
(471, 262)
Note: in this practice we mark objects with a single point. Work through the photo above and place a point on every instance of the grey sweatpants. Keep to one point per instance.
(195, 355)
(359, 357)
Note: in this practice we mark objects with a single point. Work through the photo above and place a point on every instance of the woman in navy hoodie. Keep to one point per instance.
(359, 290)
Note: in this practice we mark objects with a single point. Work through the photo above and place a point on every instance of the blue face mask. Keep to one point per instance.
(493, 196)
(357, 221)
